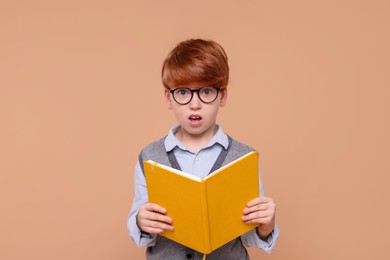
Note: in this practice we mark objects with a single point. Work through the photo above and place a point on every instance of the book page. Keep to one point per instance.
(176, 171)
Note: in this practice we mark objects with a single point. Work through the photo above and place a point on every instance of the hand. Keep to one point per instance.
(151, 218)
(261, 211)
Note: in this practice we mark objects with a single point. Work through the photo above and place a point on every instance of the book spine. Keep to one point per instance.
(205, 215)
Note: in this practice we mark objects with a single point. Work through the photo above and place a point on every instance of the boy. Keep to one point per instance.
(195, 76)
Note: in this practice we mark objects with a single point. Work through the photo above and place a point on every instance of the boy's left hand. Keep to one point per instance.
(261, 211)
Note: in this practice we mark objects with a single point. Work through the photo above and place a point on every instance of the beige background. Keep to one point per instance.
(80, 95)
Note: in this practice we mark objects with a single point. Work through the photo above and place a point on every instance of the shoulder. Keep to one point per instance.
(154, 148)
(154, 151)
(238, 149)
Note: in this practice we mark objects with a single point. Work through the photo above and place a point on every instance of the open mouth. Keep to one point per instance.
(195, 118)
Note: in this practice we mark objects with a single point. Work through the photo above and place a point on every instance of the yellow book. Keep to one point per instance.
(206, 211)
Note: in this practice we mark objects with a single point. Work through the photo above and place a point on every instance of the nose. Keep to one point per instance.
(195, 102)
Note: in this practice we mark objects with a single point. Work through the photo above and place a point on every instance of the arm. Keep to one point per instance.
(262, 211)
(145, 219)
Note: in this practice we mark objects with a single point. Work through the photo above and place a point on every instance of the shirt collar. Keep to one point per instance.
(171, 141)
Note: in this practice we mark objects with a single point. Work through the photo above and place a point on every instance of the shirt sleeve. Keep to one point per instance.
(141, 239)
(251, 238)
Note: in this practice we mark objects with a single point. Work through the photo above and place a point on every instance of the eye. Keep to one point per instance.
(208, 91)
(182, 92)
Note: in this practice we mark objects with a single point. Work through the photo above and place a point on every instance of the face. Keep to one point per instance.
(197, 119)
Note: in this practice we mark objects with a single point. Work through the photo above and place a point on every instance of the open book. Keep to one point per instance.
(206, 211)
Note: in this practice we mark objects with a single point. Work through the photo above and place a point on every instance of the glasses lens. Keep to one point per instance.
(208, 94)
(182, 95)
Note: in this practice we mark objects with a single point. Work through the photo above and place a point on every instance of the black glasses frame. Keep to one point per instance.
(192, 94)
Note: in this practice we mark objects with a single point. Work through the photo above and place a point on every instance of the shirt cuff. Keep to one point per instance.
(251, 238)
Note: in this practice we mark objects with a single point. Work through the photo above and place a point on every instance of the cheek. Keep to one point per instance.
(178, 113)
(214, 112)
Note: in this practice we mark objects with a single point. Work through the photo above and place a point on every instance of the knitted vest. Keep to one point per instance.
(165, 248)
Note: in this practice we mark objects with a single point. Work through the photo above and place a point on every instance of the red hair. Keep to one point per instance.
(196, 61)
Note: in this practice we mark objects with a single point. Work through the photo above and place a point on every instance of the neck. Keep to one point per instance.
(195, 142)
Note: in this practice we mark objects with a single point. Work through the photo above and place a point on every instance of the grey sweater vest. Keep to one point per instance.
(165, 248)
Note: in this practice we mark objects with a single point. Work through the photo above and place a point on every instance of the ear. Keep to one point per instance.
(224, 95)
(168, 99)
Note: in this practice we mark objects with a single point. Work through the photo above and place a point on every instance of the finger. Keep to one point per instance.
(157, 227)
(155, 208)
(259, 221)
(259, 200)
(160, 218)
(260, 217)
(259, 207)
(154, 230)
(146, 215)
(264, 204)
(257, 214)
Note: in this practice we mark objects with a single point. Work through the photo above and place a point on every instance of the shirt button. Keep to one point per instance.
(189, 256)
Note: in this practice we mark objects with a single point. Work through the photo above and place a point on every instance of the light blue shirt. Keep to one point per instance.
(196, 163)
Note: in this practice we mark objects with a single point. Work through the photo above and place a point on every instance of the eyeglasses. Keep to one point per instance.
(183, 96)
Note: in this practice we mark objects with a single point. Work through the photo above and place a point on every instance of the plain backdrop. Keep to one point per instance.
(80, 95)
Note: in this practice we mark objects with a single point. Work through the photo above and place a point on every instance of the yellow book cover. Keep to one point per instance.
(206, 212)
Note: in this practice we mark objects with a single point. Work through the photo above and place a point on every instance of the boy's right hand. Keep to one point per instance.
(151, 219)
